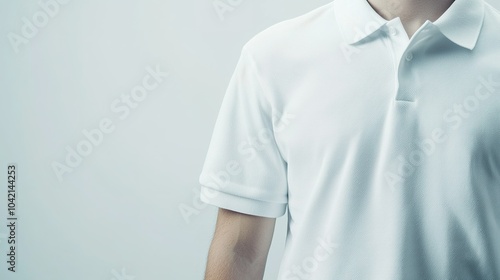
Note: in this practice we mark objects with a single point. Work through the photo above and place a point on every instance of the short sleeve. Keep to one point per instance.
(243, 169)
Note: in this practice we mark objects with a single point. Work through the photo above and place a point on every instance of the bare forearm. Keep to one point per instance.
(240, 246)
(226, 263)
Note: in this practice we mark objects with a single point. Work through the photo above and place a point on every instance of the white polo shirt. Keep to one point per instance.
(385, 150)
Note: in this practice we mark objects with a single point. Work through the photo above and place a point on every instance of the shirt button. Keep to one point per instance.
(392, 31)
(409, 56)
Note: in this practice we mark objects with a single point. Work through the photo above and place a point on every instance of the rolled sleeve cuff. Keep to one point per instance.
(242, 204)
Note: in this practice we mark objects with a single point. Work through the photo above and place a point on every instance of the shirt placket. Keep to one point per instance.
(398, 41)
(403, 49)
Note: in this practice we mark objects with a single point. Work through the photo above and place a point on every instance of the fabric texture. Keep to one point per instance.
(384, 149)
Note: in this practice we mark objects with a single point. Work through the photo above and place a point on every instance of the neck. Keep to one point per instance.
(413, 13)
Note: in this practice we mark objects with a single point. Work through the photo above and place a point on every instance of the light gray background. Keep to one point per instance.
(116, 215)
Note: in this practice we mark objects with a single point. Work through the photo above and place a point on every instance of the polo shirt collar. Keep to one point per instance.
(461, 23)
(357, 19)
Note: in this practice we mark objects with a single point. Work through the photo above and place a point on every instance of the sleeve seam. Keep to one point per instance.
(265, 95)
(245, 205)
(257, 75)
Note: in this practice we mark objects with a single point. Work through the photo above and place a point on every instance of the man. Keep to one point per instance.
(378, 124)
